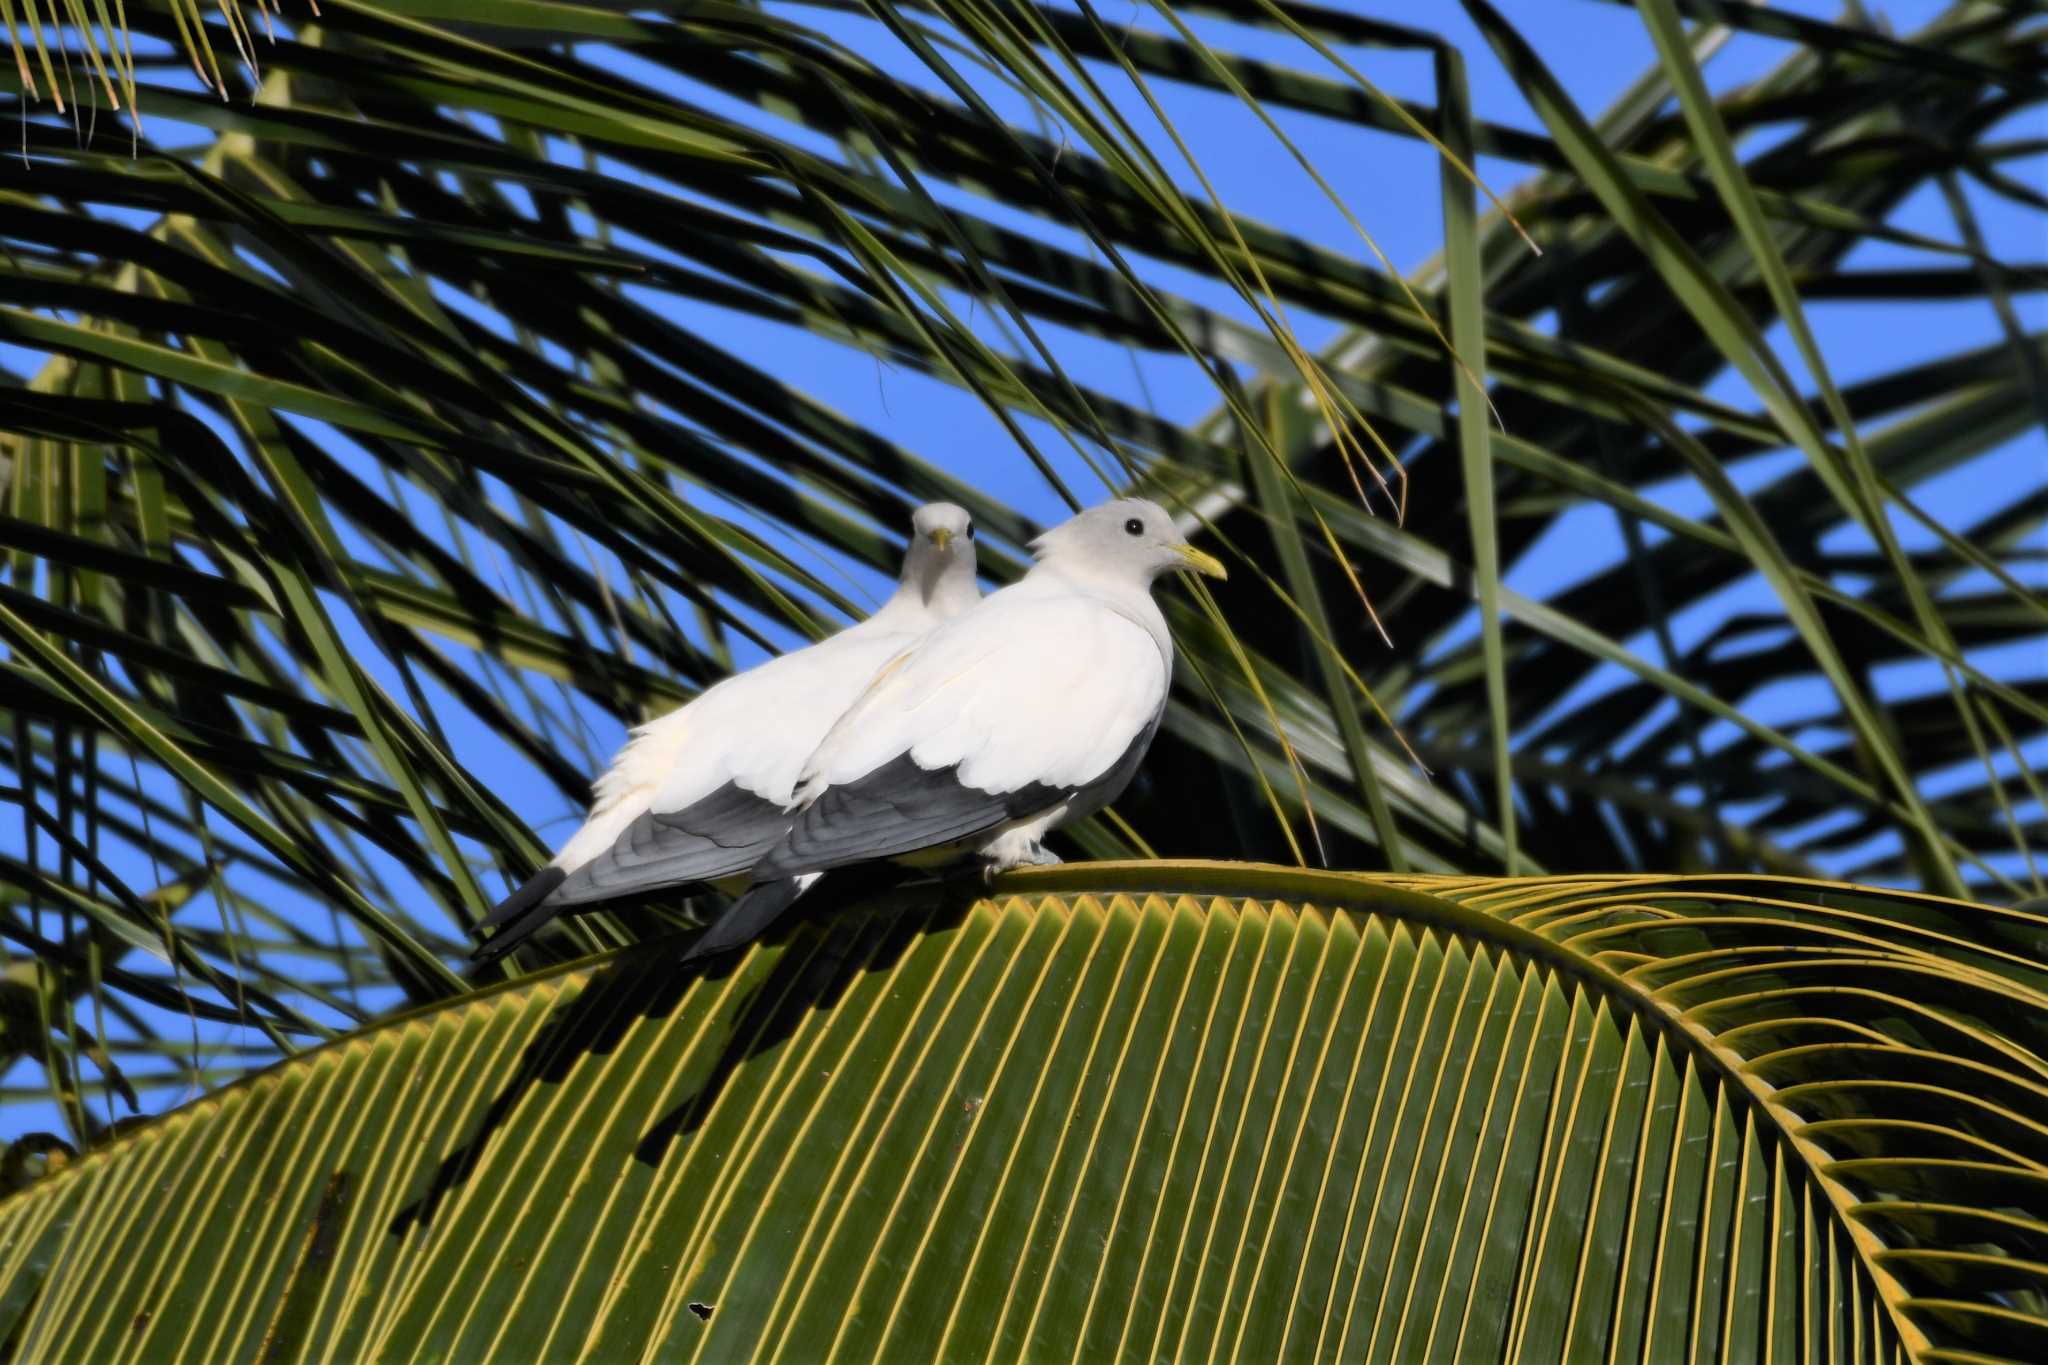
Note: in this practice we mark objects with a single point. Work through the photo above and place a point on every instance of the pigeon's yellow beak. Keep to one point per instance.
(940, 539)
(1208, 565)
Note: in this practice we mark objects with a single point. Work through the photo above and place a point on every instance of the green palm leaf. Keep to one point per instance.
(1143, 1110)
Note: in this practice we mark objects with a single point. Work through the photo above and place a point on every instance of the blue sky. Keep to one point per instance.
(1390, 184)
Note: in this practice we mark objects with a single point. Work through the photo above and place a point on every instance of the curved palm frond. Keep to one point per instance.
(1131, 1110)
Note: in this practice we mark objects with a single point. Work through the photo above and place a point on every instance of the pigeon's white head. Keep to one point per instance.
(940, 566)
(940, 524)
(1130, 540)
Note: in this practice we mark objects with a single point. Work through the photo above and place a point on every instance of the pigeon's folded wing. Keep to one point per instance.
(703, 792)
(999, 717)
(723, 834)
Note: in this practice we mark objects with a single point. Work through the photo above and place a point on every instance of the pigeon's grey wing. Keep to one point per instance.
(902, 808)
(722, 835)
(899, 808)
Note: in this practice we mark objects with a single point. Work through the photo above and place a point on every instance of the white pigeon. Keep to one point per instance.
(701, 793)
(1031, 710)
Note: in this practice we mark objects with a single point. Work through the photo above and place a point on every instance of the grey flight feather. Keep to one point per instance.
(517, 916)
(898, 808)
(719, 836)
(722, 835)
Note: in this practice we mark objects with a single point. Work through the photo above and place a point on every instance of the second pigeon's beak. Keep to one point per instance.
(940, 539)
(1197, 562)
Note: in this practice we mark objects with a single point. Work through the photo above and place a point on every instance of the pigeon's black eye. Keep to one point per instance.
(1135, 527)
(970, 530)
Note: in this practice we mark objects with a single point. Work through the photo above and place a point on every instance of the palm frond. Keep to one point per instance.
(1146, 1109)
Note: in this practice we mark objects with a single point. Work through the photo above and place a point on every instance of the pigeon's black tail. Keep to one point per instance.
(520, 915)
(747, 918)
(764, 903)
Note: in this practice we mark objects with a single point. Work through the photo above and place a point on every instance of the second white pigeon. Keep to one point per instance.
(701, 793)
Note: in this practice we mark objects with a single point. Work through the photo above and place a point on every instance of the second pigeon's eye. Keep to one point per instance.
(970, 530)
(1135, 527)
